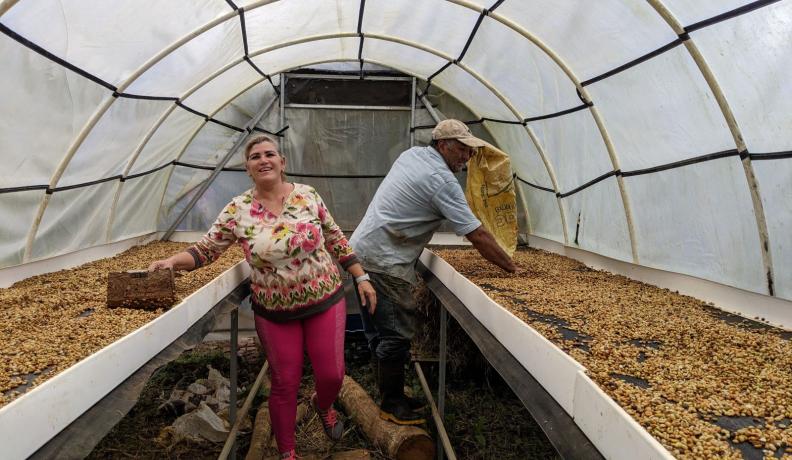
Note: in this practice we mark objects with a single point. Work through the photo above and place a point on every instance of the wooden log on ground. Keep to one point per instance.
(262, 439)
(357, 454)
(396, 441)
(302, 411)
(262, 431)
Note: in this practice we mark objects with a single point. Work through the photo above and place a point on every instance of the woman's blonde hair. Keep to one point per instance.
(260, 140)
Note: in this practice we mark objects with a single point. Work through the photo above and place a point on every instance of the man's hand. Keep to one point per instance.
(513, 268)
(486, 245)
(368, 296)
(520, 270)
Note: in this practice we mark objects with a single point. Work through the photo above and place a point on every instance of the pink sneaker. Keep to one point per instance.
(290, 455)
(333, 428)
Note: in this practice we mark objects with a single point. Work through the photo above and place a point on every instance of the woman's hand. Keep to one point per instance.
(179, 261)
(368, 296)
(163, 264)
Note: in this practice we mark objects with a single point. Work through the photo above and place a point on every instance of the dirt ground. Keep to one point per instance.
(484, 419)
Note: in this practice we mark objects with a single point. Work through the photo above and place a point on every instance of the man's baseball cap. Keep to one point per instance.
(455, 129)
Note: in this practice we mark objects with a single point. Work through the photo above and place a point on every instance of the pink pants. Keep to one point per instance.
(322, 335)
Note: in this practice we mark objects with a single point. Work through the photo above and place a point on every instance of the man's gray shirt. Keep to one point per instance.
(410, 204)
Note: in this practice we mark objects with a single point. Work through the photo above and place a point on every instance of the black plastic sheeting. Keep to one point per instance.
(348, 92)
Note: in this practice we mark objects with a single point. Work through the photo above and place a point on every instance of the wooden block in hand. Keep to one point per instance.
(141, 289)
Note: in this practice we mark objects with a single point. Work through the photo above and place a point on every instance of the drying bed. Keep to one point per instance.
(50, 322)
(703, 383)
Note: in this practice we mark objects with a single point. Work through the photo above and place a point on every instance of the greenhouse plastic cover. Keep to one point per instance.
(656, 132)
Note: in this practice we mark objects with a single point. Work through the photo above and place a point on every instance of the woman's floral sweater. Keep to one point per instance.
(292, 275)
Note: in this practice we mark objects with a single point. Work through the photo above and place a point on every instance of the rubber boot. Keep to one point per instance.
(375, 372)
(394, 406)
(415, 404)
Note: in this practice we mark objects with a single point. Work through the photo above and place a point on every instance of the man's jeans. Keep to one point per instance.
(391, 329)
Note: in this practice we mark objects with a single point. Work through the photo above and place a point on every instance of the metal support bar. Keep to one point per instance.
(430, 109)
(205, 186)
(441, 431)
(441, 384)
(245, 408)
(282, 108)
(348, 107)
(412, 113)
(232, 415)
(356, 76)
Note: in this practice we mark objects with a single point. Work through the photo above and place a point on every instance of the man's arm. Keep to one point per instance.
(486, 245)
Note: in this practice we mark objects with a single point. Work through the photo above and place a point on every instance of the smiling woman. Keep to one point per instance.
(291, 242)
(262, 157)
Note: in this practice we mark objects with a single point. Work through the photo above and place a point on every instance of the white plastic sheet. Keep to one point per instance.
(136, 210)
(660, 112)
(285, 21)
(691, 12)
(74, 219)
(527, 73)
(596, 220)
(408, 59)
(167, 141)
(775, 179)
(216, 92)
(592, 38)
(230, 112)
(751, 57)
(473, 93)
(183, 184)
(226, 186)
(437, 24)
(189, 64)
(105, 152)
(109, 40)
(30, 87)
(525, 158)
(544, 214)
(210, 145)
(698, 220)
(251, 101)
(575, 132)
(288, 58)
(18, 211)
